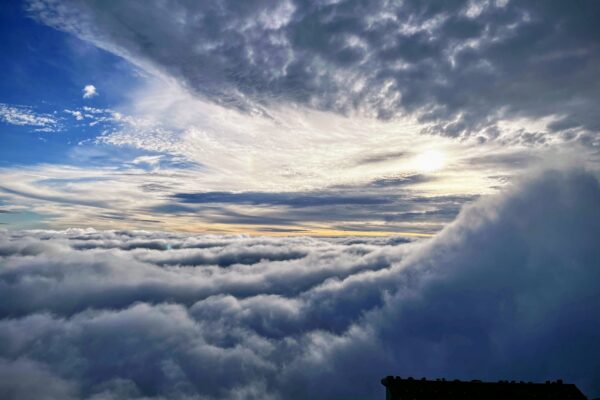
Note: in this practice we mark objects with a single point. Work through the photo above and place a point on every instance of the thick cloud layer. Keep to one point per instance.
(461, 65)
(510, 290)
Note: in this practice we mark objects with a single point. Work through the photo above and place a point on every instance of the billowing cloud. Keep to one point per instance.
(510, 290)
(464, 67)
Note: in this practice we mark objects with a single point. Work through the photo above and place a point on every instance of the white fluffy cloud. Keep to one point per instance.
(509, 290)
(89, 91)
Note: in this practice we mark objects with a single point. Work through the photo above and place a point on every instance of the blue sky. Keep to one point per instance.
(45, 70)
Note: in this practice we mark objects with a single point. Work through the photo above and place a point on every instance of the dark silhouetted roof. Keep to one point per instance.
(423, 389)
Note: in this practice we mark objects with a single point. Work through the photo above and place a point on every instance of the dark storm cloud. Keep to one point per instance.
(510, 290)
(460, 65)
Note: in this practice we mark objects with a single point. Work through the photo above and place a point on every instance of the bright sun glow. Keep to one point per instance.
(429, 161)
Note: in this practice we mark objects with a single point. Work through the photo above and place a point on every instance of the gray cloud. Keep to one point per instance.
(288, 199)
(460, 65)
(28, 380)
(382, 157)
(387, 201)
(404, 180)
(508, 291)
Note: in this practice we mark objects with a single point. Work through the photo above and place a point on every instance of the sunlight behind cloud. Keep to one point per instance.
(291, 148)
(430, 161)
(287, 172)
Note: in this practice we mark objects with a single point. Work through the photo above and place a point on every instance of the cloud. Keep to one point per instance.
(299, 200)
(507, 291)
(25, 116)
(28, 380)
(78, 115)
(153, 191)
(382, 157)
(89, 91)
(261, 112)
(463, 67)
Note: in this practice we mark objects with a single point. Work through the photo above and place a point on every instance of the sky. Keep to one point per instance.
(271, 199)
(320, 118)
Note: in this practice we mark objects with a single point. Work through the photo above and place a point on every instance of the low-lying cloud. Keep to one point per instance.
(510, 290)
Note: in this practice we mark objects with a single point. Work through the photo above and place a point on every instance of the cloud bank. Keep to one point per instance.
(510, 290)
(461, 66)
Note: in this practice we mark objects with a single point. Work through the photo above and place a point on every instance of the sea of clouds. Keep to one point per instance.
(509, 290)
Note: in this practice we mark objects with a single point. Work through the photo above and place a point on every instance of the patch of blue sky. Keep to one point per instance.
(44, 72)
(23, 219)
(124, 157)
